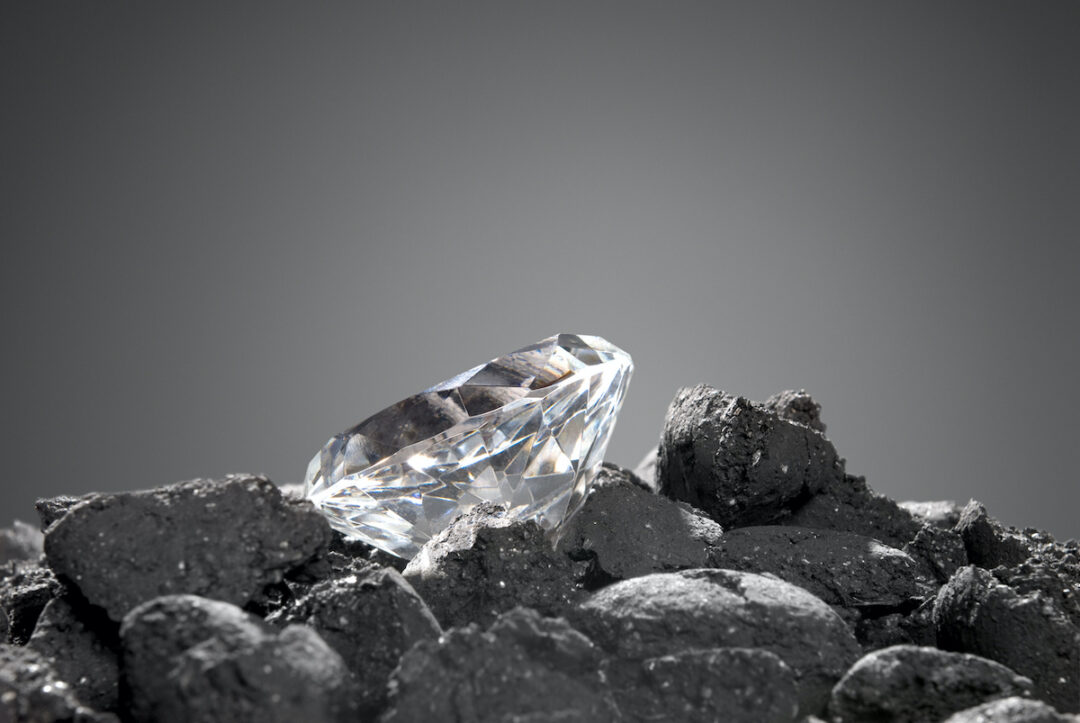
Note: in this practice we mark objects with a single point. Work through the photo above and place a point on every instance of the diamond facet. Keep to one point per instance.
(527, 430)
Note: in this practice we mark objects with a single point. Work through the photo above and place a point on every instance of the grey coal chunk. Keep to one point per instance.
(31, 692)
(739, 461)
(906, 627)
(940, 513)
(847, 504)
(225, 539)
(523, 668)
(987, 541)
(486, 563)
(26, 587)
(798, 407)
(670, 613)
(1012, 710)
(82, 645)
(20, 542)
(370, 616)
(736, 685)
(911, 684)
(626, 531)
(941, 551)
(51, 509)
(841, 568)
(975, 613)
(189, 658)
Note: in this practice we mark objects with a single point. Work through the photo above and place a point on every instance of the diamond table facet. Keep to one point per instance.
(527, 430)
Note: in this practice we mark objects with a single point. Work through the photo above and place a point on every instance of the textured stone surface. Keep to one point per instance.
(1029, 633)
(486, 563)
(626, 531)
(1012, 710)
(739, 461)
(988, 543)
(20, 542)
(83, 648)
(370, 616)
(735, 685)
(841, 568)
(941, 551)
(523, 668)
(668, 613)
(910, 684)
(189, 658)
(798, 407)
(31, 692)
(26, 587)
(224, 539)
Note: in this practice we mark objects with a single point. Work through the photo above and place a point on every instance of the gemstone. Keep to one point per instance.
(527, 431)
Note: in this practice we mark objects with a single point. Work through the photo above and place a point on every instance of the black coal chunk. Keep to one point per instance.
(189, 658)
(370, 615)
(671, 613)
(740, 462)
(798, 407)
(486, 563)
(26, 587)
(82, 645)
(626, 531)
(20, 542)
(975, 613)
(911, 684)
(1012, 710)
(224, 539)
(987, 541)
(523, 668)
(31, 692)
(941, 551)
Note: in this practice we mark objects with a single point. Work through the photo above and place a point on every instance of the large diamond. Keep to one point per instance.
(527, 431)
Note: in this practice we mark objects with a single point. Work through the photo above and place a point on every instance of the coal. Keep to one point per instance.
(31, 692)
(668, 613)
(486, 563)
(740, 462)
(911, 684)
(524, 668)
(1012, 710)
(370, 615)
(625, 531)
(1029, 633)
(988, 543)
(26, 587)
(941, 551)
(224, 539)
(798, 407)
(190, 658)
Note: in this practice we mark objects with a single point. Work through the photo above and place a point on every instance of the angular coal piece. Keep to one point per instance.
(370, 616)
(224, 539)
(798, 407)
(1029, 633)
(668, 613)
(987, 541)
(189, 658)
(20, 542)
(841, 568)
(911, 684)
(735, 685)
(82, 645)
(524, 667)
(486, 563)
(1012, 710)
(26, 587)
(627, 531)
(941, 551)
(740, 462)
(31, 692)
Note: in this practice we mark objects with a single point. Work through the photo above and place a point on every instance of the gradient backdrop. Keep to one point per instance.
(229, 233)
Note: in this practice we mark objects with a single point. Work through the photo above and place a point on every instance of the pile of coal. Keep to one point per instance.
(738, 574)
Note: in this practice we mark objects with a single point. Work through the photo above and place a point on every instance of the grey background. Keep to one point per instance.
(230, 232)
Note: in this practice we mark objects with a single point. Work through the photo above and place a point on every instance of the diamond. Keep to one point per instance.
(527, 430)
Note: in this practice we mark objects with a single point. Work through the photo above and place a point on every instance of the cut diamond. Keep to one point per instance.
(527, 430)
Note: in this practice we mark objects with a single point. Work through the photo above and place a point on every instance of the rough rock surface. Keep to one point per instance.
(910, 684)
(1029, 633)
(798, 407)
(941, 551)
(31, 692)
(841, 568)
(988, 543)
(189, 658)
(626, 531)
(83, 648)
(20, 542)
(523, 668)
(26, 587)
(739, 461)
(370, 616)
(668, 613)
(1012, 710)
(485, 563)
(224, 539)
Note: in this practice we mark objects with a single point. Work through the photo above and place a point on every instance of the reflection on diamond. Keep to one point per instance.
(527, 430)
